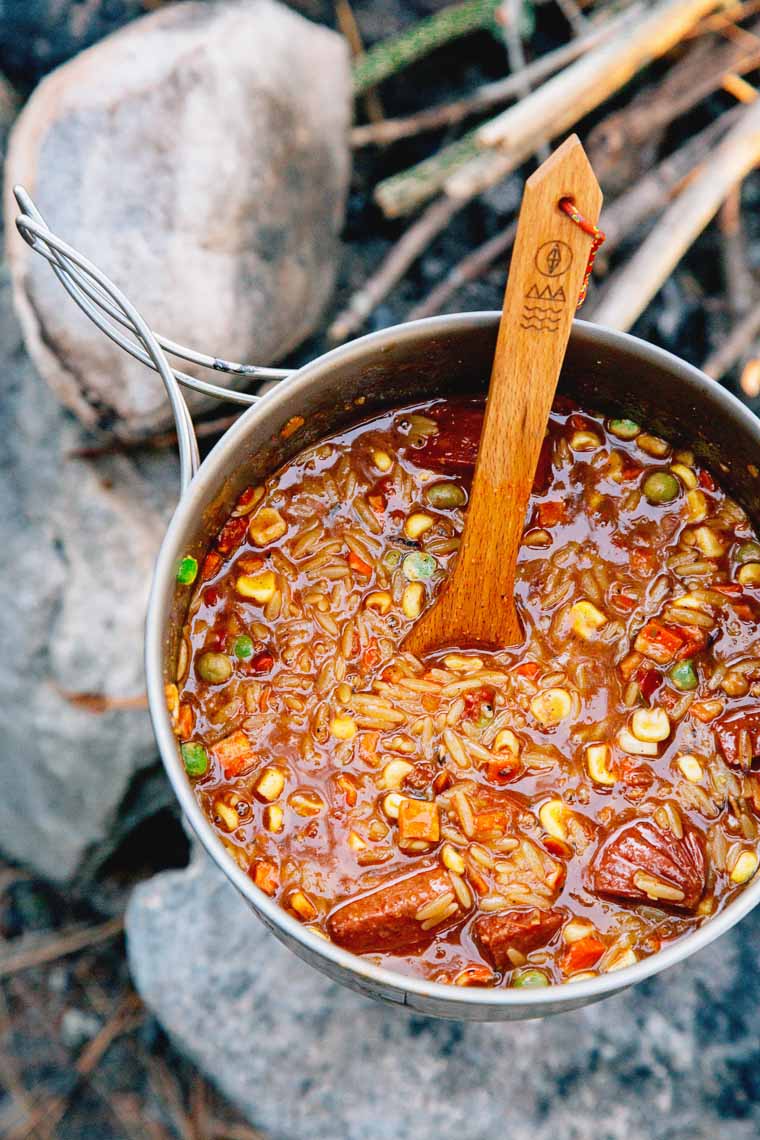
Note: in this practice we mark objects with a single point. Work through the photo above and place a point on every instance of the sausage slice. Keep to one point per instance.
(522, 930)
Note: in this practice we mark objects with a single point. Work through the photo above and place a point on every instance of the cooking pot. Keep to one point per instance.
(605, 370)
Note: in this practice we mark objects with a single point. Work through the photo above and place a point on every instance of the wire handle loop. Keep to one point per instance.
(111, 311)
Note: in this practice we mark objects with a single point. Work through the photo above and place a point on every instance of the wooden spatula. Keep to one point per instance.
(476, 607)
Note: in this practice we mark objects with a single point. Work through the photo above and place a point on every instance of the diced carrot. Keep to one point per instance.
(476, 878)
(185, 721)
(250, 564)
(630, 471)
(359, 565)
(502, 771)
(583, 954)
(371, 655)
(211, 564)
(620, 600)
(368, 748)
(529, 669)
(658, 642)
(418, 820)
(442, 781)
(549, 514)
(234, 753)
(706, 710)
(232, 534)
(629, 665)
(377, 502)
(694, 640)
(491, 824)
(430, 702)
(262, 663)
(347, 786)
(730, 589)
(265, 876)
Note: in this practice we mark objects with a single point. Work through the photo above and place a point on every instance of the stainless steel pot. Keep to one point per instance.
(605, 370)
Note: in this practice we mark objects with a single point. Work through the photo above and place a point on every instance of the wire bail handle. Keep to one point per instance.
(111, 311)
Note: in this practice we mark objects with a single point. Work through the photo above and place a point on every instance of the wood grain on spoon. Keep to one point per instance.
(476, 607)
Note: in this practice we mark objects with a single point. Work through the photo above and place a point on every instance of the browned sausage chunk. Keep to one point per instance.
(522, 930)
(643, 863)
(386, 918)
(738, 735)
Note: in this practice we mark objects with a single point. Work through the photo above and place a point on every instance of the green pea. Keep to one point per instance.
(527, 979)
(195, 759)
(661, 487)
(391, 559)
(243, 647)
(683, 676)
(216, 668)
(445, 496)
(624, 429)
(187, 570)
(748, 552)
(418, 566)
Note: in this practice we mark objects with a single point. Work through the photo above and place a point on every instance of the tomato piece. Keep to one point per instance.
(659, 642)
(728, 730)
(359, 565)
(642, 562)
(232, 534)
(453, 449)
(265, 876)
(583, 954)
(377, 502)
(502, 771)
(234, 753)
(211, 564)
(649, 681)
(694, 638)
(706, 480)
(262, 662)
(371, 655)
(551, 513)
(730, 589)
(529, 669)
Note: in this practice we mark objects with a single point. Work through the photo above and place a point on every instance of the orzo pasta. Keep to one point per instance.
(524, 817)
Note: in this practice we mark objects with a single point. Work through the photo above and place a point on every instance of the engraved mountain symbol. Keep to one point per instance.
(546, 293)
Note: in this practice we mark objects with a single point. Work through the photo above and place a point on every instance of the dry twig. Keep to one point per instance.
(59, 946)
(737, 343)
(633, 287)
(474, 265)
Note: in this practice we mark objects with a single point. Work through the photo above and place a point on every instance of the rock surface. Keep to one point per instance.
(79, 540)
(199, 157)
(677, 1058)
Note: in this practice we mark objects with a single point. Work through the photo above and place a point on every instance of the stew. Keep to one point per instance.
(521, 818)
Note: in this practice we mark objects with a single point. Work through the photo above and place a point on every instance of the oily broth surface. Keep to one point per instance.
(601, 540)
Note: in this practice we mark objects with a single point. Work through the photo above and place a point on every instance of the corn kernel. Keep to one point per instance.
(379, 600)
(392, 804)
(749, 574)
(551, 706)
(685, 474)
(305, 803)
(629, 743)
(355, 841)
(270, 783)
(303, 906)
(708, 542)
(266, 526)
(227, 815)
(696, 506)
(395, 772)
(628, 958)
(653, 445)
(417, 524)
(412, 599)
(171, 692)
(344, 692)
(598, 764)
(506, 741)
(382, 460)
(651, 725)
(744, 867)
(343, 727)
(552, 815)
(273, 817)
(586, 619)
(584, 440)
(452, 859)
(576, 929)
(690, 767)
(259, 587)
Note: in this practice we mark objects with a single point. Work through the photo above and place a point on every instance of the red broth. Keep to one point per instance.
(526, 817)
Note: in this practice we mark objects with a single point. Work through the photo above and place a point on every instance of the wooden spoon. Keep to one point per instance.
(476, 607)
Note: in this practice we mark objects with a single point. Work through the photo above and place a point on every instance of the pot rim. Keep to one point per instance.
(210, 476)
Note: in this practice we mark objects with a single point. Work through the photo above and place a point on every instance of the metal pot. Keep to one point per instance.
(605, 370)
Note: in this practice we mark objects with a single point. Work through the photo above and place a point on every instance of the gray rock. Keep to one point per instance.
(198, 156)
(78, 544)
(677, 1058)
